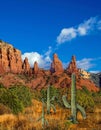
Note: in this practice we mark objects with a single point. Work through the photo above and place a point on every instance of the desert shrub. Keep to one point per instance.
(1, 85)
(16, 98)
(10, 100)
(84, 99)
(4, 109)
(23, 94)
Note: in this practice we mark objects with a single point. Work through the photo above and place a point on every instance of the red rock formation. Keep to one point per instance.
(1, 69)
(26, 66)
(36, 68)
(10, 58)
(72, 68)
(10, 61)
(56, 65)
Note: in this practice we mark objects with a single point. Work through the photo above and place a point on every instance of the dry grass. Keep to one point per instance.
(28, 120)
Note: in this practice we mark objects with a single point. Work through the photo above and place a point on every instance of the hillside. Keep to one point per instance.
(22, 89)
(96, 78)
(15, 71)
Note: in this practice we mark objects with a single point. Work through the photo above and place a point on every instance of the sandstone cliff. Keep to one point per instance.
(10, 58)
(19, 72)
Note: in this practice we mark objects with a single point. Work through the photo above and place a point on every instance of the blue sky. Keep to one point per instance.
(40, 28)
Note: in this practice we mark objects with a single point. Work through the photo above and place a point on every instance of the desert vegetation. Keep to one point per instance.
(22, 108)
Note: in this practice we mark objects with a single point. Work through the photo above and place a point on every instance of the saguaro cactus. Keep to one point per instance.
(74, 106)
(49, 104)
(42, 118)
(73, 98)
(48, 99)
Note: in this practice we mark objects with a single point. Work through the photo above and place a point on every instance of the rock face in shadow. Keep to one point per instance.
(96, 78)
(36, 68)
(56, 65)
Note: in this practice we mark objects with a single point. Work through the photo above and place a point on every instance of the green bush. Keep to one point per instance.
(10, 100)
(16, 98)
(84, 99)
(23, 93)
(1, 85)
(85, 90)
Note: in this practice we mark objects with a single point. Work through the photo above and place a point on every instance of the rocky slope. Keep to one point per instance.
(15, 71)
(96, 78)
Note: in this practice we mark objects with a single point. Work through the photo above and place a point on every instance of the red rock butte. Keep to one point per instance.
(11, 66)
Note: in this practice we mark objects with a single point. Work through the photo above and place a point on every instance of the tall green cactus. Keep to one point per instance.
(74, 106)
(73, 98)
(49, 104)
(42, 118)
(48, 99)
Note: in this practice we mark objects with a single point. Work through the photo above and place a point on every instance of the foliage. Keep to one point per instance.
(10, 100)
(1, 85)
(23, 93)
(16, 98)
(84, 99)
(85, 90)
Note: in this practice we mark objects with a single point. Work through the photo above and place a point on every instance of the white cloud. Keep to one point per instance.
(88, 63)
(43, 60)
(66, 35)
(85, 28)
(96, 71)
(85, 63)
(47, 53)
(99, 25)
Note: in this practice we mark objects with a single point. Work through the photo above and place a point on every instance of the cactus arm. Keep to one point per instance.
(43, 114)
(53, 107)
(66, 104)
(46, 122)
(82, 110)
(53, 98)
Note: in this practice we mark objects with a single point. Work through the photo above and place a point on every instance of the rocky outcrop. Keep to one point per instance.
(56, 65)
(10, 58)
(96, 78)
(1, 69)
(72, 67)
(11, 62)
(36, 68)
(26, 66)
(84, 74)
